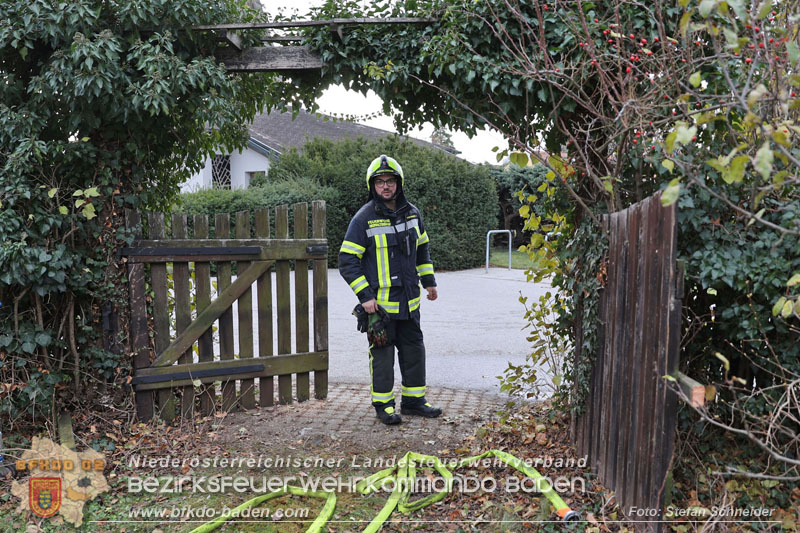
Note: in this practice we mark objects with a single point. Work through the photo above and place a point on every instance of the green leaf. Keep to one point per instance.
(550, 176)
(519, 158)
(763, 160)
(685, 134)
(88, 211)
(79, 192)
(670, 194)
(557, 380)
(712, 291)
(525, 211)
(668, 164)
(79, 202)
(85, 139)
(63, 210)
(788, 307)
(91, 192)
(794, 280)
(695, 79)
(778, 306)
(765, 9)
(738, 8)
(724, 360)
(684, 23)
(706, 6)
(670, 378)
(735, 173)
(669, 142)
(52, 192)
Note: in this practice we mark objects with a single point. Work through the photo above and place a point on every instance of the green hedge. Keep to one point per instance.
(270, 195)
(458, 200)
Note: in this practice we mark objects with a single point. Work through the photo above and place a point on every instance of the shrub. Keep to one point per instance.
(458, 200)
(269, 195)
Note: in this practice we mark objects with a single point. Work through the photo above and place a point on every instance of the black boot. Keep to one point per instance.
(388, 416)
(420, 409)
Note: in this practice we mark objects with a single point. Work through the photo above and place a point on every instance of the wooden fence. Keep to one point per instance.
(628, 427)
(186, 370)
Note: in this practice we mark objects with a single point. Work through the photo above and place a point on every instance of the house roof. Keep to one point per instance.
(277, 132)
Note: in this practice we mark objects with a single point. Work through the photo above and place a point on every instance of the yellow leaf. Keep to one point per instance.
(52, 192)
(724, 360)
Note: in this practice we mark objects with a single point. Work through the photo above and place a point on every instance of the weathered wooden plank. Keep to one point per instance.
(666, 218)
(640, 371)
(205, 344)
(222, 228)
(266, 385)
(183, 310)
(651, 377)
(138, 321)
(318, 231)
(217, 309)
(269, 59)
(627, 356)
(694, 390)
(161, 335)
(612, 331)
(152, 251)
(301, 298)
(66, 435)
(284, 305)
(247, 398)
(307, 23)
(621, 326)
(286, 364)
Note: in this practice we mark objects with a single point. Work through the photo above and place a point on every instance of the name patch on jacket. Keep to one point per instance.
(379, 222)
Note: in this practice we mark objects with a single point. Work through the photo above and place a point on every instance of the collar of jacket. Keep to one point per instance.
(402, 206)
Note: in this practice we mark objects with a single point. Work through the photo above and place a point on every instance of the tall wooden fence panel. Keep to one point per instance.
(186, 353)
(627, 430)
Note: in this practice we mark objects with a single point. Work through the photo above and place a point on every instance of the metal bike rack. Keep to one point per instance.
(510, 237)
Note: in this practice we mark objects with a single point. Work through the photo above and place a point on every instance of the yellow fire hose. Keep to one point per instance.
(402, 479)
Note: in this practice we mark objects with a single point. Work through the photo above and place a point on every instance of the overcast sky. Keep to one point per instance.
(338, 100)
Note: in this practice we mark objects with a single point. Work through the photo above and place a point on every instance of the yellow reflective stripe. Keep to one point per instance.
(382, 397)
(359, 284)
(425, 269)
(349, 247)
(416, 392)
(382, 256)
(413, 304)
(423, 238)
(389, 307)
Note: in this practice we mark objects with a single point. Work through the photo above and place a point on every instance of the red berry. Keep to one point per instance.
(655, 39)
(635, 141)
(756, 28)
(644, 41)
(649, 53)
(628, 70)
(748, 60)
(771, 40)
(632, 36)
(761, 45)
(694, 138)
(652, 146)
(597, 20)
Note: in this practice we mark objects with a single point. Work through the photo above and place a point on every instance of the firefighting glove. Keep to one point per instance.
(375, 325)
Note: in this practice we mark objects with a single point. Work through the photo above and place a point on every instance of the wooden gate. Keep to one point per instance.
(181, 359)
(628, 428)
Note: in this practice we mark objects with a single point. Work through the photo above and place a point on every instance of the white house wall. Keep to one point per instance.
(243, 162)
(246, 161)
(199, 181)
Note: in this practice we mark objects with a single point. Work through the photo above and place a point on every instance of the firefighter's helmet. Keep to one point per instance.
(384, 164)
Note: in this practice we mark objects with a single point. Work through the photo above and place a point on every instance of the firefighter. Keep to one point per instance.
(383, 258)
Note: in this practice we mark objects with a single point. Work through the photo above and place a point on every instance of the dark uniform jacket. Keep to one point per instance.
(385, 256)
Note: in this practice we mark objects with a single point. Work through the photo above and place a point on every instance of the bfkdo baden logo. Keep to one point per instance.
(60, 481)
(45, 495)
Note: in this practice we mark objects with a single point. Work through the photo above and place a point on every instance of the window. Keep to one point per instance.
(221, 172)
